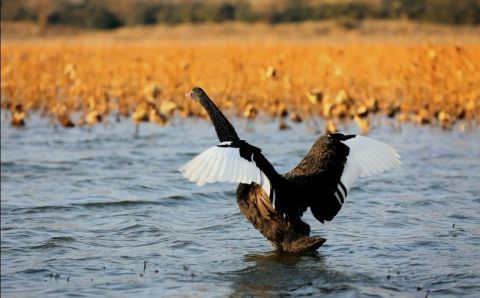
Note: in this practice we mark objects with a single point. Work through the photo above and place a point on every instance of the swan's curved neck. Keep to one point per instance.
(224, 129)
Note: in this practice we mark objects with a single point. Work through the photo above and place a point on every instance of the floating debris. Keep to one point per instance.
(18, 115)
(428, 293)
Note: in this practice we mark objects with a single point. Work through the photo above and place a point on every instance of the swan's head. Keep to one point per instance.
(197, 94)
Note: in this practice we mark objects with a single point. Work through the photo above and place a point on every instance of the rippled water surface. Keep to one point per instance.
(82, 210)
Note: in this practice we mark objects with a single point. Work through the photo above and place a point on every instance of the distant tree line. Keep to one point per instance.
(111, 14)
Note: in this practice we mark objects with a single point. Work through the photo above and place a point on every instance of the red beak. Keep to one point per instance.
(189, 94)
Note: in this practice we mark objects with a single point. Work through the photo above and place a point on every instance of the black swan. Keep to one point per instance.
(274, 203)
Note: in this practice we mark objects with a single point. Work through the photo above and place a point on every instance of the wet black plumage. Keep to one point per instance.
(275, 207)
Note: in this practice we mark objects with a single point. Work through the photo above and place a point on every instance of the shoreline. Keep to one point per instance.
(329, 32)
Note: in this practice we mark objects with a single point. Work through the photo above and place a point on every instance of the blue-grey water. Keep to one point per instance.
(82, 210)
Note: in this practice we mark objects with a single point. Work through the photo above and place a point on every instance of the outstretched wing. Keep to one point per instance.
(228, 162)
(367, 157)
(331, 167)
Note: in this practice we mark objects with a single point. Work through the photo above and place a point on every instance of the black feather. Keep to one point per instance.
(312, 183)
(318, 175)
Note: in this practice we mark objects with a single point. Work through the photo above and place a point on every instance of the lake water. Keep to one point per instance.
(82, 210)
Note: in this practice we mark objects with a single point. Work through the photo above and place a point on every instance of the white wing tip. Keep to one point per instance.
(223, 164)
(368, 157)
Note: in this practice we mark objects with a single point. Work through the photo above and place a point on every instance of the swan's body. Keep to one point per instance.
(274, 203)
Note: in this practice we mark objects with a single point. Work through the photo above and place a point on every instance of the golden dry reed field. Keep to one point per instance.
(76, 83)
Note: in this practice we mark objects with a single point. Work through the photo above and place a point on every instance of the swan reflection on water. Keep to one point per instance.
(274, 273)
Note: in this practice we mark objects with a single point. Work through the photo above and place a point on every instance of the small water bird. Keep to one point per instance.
(274, 203)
